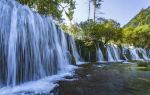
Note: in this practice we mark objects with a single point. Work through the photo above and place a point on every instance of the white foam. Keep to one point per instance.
(81, 63)
(44, 85)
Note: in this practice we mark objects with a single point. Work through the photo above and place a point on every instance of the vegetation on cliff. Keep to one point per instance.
(137, 31)
(142, 18)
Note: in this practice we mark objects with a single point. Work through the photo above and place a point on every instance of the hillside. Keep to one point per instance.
(142, 18)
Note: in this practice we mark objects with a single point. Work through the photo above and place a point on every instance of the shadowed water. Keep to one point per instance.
(114, 79)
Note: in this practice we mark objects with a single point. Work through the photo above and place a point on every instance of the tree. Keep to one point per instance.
(111, 31)
(52, 7)
(89, 12)
(105, 30)
(139, 36)
(127, 33)
(97, 5)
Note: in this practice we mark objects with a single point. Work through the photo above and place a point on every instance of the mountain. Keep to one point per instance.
(142, 18)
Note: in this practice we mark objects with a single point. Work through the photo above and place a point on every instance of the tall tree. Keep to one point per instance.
(97, 5)
(89, 12)
(106, 30)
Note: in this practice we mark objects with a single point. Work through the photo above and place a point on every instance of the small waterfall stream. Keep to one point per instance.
(100, 56)
(116, 51)
(124, 53)
(113, 53)
(110, 55)
(76, 55)
(144, 54)
(134, 54)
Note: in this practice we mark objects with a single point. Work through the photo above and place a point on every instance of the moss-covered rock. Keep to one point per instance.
(87, 50)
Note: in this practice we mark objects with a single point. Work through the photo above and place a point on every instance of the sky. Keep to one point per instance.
(119, 10)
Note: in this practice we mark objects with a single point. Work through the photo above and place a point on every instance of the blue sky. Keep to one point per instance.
(119, 10)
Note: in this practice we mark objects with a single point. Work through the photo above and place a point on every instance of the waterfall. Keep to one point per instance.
(76, 55)
(117, 52)
(148, 53)
(144, 53)
(134, 54)
(109, 54)
(124, 53)
(31, 45)
(114, 53)
(12, 42)
(100, 56)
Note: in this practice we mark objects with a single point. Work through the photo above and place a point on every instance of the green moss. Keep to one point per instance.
(142, 65)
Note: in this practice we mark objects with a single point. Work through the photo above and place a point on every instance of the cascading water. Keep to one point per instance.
(134, 54)
(117, 53)
(31, 46)
(114, 53)
(76, 55)
(148, 53)
(144, 54)
(100, 56)
(109, 54)
(125, 52)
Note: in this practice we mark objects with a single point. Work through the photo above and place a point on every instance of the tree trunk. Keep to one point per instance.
(89, 9)
(94, 11)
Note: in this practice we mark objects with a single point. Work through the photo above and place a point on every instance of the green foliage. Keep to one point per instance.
(138, 36)
(137, 31)
(142, 18)
(72, 29)
(105, 31)
(52, 7)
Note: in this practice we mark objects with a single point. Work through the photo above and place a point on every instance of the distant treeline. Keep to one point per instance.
(136, 32)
